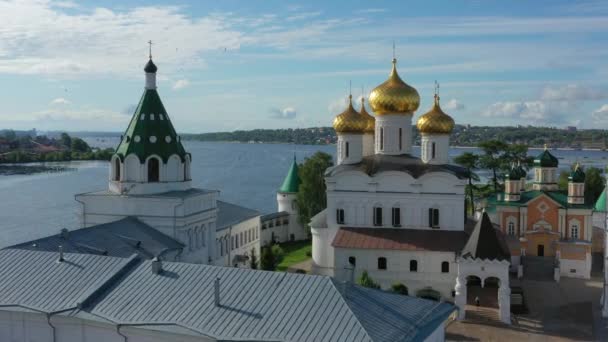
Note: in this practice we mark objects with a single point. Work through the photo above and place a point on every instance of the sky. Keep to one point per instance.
(229, 65)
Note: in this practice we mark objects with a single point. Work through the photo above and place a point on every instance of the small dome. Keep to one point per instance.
(546, 159)
(350, 121)
(394, 96)
(150, 67)
(435, 121)
(515, 173)
(371, 121)
(577, 176)
(522, 172)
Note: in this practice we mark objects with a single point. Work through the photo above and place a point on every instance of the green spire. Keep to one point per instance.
(577, 176)
(150, 131)
(292, 180)
(600, 204)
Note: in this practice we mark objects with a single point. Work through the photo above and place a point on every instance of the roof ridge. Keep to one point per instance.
(332, 282)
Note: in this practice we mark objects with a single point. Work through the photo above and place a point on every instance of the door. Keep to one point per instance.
(541, 250)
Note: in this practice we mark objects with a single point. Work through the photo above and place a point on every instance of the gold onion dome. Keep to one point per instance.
(394, 96)
(350, 121)
(435, 121)
(371, 121)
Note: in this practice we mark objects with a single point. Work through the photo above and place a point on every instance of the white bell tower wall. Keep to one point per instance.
(393, 134)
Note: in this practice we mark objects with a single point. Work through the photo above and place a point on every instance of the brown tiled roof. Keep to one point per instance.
(400, 239)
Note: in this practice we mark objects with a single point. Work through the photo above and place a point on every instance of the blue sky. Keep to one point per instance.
(227, 65)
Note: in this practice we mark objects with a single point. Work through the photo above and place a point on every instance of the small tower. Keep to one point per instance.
(545, 171)
(368, 133)
(435, 128)
(576, 186)
(349, 126)
(513, 184)
(150, 157)
(394, 103)
(522, 176)
(287, 202)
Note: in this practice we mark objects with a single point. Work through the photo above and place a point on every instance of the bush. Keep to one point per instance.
(399, 288)
(366, 281)
(278, 253)
(267, 261)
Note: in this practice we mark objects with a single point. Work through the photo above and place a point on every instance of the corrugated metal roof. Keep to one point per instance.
(120, 238)
(230, 214)
(274, 215)
(38, 281)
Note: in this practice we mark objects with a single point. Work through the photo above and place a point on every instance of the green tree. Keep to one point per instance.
(267, 261)
(311, 194)
(399, 288)
(253, 260)
(66, 140)
(594, 184)
(493, 158)
(562, 182)
(366, 281)
(470, 161)
(79, 145)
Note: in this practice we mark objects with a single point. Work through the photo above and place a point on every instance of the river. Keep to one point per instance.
(36, 205)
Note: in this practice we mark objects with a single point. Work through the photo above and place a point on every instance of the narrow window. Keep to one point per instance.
(511, 229)
(377, 216)
(413, 266)
(117, 169)
(433, 218)
(445, 267)
(433, 151)
(382, 263)
(340, 216)
(400, 139)
(232, 242)
(574, 231)
(381, 139)
(153, 166)
(396, 214)
(352, 261)
(347, 149)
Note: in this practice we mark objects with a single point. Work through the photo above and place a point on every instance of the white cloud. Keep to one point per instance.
(60, 101)
(181, 84)
(453, 104)
(285, 113)
(573, 92)
(517, 109)
(371, 10)
(302, 16)
(337, 106)
(601, 114)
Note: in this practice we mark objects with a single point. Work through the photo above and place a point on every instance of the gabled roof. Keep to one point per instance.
(485, 242)
(230, 214)
(291, 184)
(414, 166)
(120, 238)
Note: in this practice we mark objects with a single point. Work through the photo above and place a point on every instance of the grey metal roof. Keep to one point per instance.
(37, 281)
(254, 305)
(170, 194)
(230, 214)
(414, 166)
(274, 215)
(120, 238)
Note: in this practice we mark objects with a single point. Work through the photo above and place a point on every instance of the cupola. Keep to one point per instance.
(435, 127)
(576, 186)
(350, 126)
(545, 171)
(394, 96)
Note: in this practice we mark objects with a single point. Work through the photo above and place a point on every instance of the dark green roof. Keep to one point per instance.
(577, 176)
(600, 204)
(159, 127)
(150, 67)
(546, 159)
(515, 173)
(560, 197)
(292, 180)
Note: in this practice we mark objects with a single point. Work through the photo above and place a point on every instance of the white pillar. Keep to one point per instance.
(461, 296)
(504, 302)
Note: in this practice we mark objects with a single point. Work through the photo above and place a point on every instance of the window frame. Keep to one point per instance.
(382, 264)
(340, 216)
(434, 218)
(396, 216)
(445, 269)
(377, 216)
(413, 265)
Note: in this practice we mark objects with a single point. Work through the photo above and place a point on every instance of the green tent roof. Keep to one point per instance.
(150, 131)
(546, 159)
(292, 180)
(577, 176)
(600, 204)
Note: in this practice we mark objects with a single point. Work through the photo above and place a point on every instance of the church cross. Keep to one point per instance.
(150, 43)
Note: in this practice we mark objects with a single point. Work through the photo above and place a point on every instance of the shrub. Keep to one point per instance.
(399, 288)
(366, 281)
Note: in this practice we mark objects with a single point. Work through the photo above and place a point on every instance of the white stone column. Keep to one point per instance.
(461, 296)
(504, 303)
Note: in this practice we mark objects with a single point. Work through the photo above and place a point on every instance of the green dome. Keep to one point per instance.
(522, 172)
(546, 159)
(577, 176)
(517, 172)
(291, 183)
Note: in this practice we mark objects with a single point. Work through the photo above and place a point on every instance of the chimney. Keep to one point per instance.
(61, 259)
(216, 286)
(157, 266)
(64, 233)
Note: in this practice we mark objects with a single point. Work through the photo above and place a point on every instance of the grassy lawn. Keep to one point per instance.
(295, 252)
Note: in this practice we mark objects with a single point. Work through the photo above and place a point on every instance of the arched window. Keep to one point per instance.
(117, 169)
(433, 150)
(413, 266)
(381, 263)
(445, 267)
(340, 216)
(377, 216)
(511, 228)
(352, 261)
(153, 170)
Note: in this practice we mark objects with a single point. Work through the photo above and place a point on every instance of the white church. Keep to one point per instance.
(399, 217)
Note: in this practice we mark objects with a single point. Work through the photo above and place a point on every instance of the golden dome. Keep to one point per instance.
(435, 121)
(394, 96)
(371, 121)
(350, 121)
